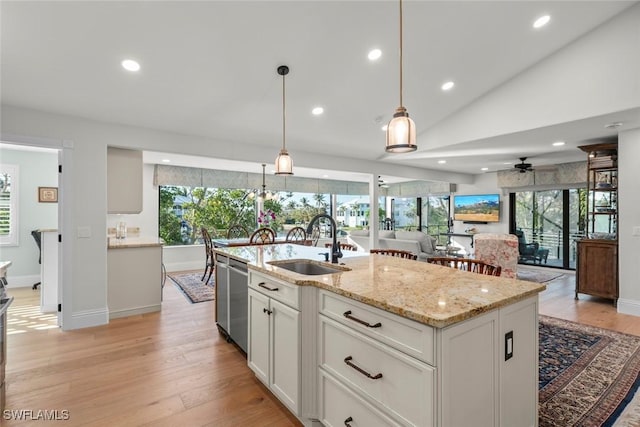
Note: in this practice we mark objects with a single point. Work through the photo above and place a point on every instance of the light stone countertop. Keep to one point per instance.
(430, 294)
(133, 242)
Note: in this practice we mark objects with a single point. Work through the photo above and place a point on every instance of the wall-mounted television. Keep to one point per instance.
(476, 208)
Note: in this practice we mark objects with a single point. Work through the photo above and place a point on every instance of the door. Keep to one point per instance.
(259, 335)
(285, 366)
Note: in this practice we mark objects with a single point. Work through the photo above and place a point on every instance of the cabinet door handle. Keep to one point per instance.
(264, 285)
(347, 421)
(348, 315)
(348, 360)
(264, 310)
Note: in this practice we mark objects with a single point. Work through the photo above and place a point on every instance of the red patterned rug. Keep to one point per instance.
(193, 288)
(587, 375)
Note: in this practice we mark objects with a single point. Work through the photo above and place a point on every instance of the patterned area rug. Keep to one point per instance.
(587, 375)
(537, 276)
(194, 289)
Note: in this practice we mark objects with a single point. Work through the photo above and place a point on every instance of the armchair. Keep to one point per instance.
(527, 251)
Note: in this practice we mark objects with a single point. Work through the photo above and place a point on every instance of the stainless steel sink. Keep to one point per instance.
(309, 268)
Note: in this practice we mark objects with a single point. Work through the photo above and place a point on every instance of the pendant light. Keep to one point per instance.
(264, 194)
(401, 130)
(284, 164)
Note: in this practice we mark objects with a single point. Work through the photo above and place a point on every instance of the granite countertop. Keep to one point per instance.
(133, 242)
(430, 294)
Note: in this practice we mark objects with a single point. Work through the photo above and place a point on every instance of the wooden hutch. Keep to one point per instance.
(597, 264)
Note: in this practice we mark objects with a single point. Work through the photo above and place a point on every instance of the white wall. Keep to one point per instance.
(629, 207)
(486, 183)
(37, 169)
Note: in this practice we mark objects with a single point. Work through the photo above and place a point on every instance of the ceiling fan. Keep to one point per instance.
(522, 166)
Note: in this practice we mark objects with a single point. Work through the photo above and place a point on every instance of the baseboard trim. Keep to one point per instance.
(115, 314)
(88, 319)
(25, 281)
(184, 266)
(629, 306)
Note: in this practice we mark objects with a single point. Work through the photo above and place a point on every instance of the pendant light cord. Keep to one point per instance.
(401, 53)
(284, 146)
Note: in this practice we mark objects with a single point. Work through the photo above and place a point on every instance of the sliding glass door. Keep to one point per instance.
(549, 222)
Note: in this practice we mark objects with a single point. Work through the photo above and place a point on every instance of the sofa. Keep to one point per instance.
(416, 242)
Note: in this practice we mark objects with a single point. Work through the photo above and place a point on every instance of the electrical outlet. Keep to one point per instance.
(636, 231)
(84, 232)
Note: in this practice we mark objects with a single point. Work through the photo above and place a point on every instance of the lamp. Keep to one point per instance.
(264, 194)
(401, 130)
(284, 164)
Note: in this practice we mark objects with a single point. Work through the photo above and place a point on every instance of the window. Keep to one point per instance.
(8, 205)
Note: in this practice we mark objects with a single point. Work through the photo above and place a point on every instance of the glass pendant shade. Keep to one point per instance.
(284, 164)
(401, 133)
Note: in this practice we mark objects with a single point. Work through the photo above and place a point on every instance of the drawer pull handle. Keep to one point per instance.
(348, 360)
(347, 421)
(264, 285)
(264, 310)
(348, 315)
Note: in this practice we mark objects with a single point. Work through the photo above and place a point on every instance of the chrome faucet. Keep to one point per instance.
(335, 248)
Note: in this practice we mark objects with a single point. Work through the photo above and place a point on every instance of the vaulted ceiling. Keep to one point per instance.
(208, 68)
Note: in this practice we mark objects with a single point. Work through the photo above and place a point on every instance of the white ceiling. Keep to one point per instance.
(209, 69)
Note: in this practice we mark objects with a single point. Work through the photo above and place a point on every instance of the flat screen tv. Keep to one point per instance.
(476, 208)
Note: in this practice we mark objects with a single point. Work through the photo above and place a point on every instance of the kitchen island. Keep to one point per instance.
(388, 341)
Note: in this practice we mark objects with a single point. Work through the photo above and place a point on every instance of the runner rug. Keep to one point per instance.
(193, 288)
(537, 276)
(588, 375)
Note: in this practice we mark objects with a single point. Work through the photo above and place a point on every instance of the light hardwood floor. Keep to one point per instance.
(172, 368)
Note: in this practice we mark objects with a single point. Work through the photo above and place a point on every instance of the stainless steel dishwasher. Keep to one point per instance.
(231, 299)
(238, 295)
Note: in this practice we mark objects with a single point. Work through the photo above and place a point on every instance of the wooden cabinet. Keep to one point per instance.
(480, 372)
(274, 337)
(124, 181)
(597, 269)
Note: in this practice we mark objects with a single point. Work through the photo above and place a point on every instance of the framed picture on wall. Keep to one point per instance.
(48, 194)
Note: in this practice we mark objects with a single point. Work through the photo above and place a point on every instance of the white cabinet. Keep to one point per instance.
(274, 337)
(124, 181)
(480, 372)
(134, 280)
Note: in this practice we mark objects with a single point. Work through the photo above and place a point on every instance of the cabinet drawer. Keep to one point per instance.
(279, 290)
(339, 404)
(413, 338)
(402, 384)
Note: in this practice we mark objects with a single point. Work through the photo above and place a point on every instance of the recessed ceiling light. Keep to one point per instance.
(506, 163)
(325, 176)
(317, 111)
(442, 162)
(613, 125)
(374, 54)
(558, 143)
(484, 169)
(130, 65)
(448, 85)
(542, 21)
(166, 161)
(384, 128)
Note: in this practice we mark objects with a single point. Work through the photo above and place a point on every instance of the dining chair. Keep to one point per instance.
(297, 235)
(466, 264)
(208, 248)
(315, 235)
(399, 253)
(237, 231)
(262, 236)
(345, 246)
